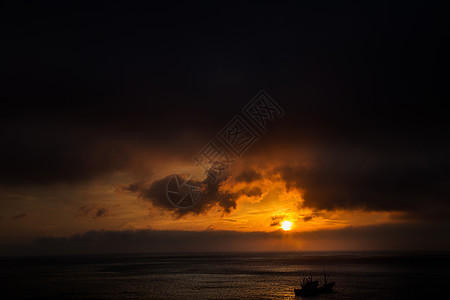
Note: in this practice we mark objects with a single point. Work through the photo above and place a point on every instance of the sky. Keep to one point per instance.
(102, 104)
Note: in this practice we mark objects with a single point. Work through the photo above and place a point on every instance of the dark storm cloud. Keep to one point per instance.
(19, 216)
(44, 149)
(43, 154)
(87, 96)
(414, 182)
(212, 195)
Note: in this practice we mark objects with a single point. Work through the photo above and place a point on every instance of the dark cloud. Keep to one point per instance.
(308, 218)
(361, 86)
(72, 106)
(94, 212)
(408, 237)
(229, 220)
(43, 150)
(101, 212)
(148, 241)
(389, 181)
(20, 216)
(276, 220)
(248, 176)
(212, 195)
(403, 236)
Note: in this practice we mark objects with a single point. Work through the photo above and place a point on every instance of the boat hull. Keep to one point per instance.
(326, 288)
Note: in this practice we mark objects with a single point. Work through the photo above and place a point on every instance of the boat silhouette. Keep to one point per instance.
(311, 287)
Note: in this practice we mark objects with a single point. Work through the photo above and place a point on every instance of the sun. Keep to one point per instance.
(286, 225)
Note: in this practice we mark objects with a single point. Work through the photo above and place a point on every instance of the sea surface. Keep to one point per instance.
(224, 276)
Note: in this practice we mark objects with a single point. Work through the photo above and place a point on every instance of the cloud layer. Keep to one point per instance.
(375, 237)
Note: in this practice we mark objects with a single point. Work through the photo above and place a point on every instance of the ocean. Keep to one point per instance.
(224, 276)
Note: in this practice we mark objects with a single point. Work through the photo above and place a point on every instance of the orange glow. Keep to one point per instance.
(253, 213)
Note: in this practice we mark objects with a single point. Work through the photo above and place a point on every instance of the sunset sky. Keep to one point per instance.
(101, 104)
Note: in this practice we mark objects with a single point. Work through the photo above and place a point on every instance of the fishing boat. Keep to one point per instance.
(311, 287)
